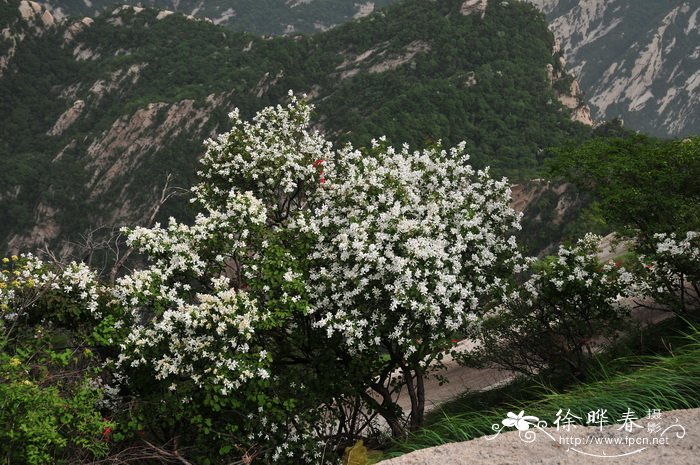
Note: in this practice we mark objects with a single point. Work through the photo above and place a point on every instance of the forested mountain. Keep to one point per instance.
(257, 16)
(94, 114)
(636, 59)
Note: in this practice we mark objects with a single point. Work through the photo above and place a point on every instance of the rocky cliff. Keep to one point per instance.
(638, 60)
(25, 19)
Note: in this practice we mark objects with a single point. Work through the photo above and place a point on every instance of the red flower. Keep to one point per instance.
(318, 163)
(107, 431)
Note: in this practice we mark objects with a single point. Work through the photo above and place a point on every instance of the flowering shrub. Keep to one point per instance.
(306, 268)
(313, 287)
(211, 321)
(408, 248)
(205, 342)
(555, 315)
(671, 275)
(28, 286)
(47, 404)
(275, 156)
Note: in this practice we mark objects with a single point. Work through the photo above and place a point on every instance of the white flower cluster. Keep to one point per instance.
(409, 245)
(26, 277)
(189, 314)
(673, 276)
(275, 156)
(181, 253)
(206, 342)
(555, 314)
(688, 247)
(183, 332)
(82, 282)
(575, 279)
(178, 248)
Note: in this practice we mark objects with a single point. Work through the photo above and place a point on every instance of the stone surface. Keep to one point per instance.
(550, 447)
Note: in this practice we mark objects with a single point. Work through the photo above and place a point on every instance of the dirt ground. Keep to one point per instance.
(668, 445)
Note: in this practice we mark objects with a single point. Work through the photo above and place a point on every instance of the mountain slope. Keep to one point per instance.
(636, 59)
(257, 16)
(95, 114)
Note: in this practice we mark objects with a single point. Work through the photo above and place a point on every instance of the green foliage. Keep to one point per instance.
(46, 423)
(642, 186)
(646, 189)
(48, 398)
(558, 213)
(551, 320)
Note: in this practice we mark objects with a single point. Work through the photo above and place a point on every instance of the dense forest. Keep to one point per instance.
(256, 16)
(417, 72)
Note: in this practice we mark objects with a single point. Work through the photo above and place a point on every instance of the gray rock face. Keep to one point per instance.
(635, 59)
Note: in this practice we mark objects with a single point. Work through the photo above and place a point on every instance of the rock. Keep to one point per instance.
(551, 446)
(637, 59)
(411, 50)
(26, 10)
(582, 114)
(364, 9)
(473, 6)
(163, 14)
(67, 118)
(550, 73)
(76, 28)
(47, 19)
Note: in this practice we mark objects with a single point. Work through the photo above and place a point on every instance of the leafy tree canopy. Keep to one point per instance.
(643, 185)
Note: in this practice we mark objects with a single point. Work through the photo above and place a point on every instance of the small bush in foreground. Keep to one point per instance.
(556, 317)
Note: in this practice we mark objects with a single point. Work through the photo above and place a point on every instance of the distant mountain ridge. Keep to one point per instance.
(256, 16)
(638, 60)
(94, 113)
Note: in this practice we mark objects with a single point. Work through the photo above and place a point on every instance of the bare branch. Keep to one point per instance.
(166, 193)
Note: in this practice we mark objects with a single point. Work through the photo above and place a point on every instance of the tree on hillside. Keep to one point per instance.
(648, 190)
(350, 270)
(644, 186)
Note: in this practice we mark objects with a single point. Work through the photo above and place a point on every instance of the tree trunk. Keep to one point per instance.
(386, 409)
(416, 391)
